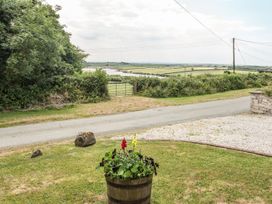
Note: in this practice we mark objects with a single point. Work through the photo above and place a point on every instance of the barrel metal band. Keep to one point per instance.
(128, 202)
(125, 186)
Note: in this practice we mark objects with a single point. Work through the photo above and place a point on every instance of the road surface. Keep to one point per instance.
(58, 130)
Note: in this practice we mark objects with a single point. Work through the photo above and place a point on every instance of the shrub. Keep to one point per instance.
(198, 85)
(94, 86)
(268, 91)
(91, 87)
(17, 97)
(87, 87)
(156, 92)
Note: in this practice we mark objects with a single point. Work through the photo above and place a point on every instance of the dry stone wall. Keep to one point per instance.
(260, 103)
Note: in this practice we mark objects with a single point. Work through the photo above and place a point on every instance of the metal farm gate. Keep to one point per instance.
(120, 89)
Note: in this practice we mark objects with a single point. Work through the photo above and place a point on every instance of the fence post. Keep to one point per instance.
(115, 89)
(125, 89)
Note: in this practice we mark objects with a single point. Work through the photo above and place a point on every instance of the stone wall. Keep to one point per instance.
(260, 103)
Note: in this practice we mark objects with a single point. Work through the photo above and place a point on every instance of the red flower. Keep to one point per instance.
(124, 144)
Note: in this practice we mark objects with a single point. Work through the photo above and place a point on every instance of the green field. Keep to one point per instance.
(188, 173)
(172, 70)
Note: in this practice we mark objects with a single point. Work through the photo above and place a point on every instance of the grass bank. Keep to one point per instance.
(188, 174)
(116, 105)
(206, 98)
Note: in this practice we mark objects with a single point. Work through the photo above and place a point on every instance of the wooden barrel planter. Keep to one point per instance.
(137, 191)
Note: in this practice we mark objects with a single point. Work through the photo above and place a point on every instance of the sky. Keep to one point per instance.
(159, 31)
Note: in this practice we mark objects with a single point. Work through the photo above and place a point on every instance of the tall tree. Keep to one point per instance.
(35, 51)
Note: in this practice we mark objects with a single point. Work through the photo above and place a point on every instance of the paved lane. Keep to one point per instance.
(58, 130)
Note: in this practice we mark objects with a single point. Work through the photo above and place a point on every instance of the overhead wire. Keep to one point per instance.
(183, 45)
(256, 49)
(241, 52)
(250, 54)
(220, 38)
(201, 23)
(253, 42)
(253, 56)
(241, 55)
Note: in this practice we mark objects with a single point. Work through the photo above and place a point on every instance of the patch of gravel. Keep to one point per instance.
(246, 132)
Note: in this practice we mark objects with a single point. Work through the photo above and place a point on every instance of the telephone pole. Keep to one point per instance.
(233, 43)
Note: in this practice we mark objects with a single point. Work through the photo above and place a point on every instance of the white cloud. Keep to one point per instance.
(147, 30)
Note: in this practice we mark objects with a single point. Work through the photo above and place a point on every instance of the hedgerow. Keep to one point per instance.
(198, 85)
(80, 88)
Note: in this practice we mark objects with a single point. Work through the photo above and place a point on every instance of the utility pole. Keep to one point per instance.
(233, 43)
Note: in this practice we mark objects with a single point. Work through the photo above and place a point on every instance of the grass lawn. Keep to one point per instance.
(188, 174)
(116, 105)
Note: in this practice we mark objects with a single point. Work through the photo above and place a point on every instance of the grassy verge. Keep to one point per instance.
(188, 174)
(206, 98)
(116, 105)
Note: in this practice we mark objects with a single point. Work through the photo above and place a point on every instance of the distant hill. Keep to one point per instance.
(150, 65)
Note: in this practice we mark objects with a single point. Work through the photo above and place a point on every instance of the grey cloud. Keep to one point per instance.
(126, 26)
(130, 14)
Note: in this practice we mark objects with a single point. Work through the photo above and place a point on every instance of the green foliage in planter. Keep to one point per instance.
(128, 164)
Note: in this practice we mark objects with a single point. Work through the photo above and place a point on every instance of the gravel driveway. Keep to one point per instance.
(246, 132)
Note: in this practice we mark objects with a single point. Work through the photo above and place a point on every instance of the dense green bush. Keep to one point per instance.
(38, 63)
(17, 97)
(268, 91)
(91, 87)
(198, 85)
(87, 87)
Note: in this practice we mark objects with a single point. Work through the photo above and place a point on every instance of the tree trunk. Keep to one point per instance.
(85, 139)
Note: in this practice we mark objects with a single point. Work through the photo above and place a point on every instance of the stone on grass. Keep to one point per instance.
(85, 139)
(36, 153)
